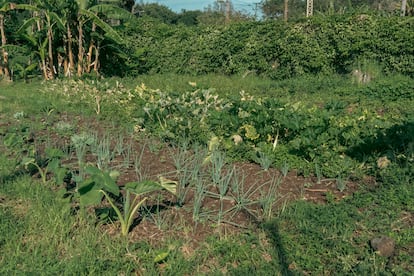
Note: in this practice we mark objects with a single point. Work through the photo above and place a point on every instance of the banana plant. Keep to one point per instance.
(43, 15)
(91, 11)
(52, 160)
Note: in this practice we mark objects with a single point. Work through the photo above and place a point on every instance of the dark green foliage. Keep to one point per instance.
(319, 45)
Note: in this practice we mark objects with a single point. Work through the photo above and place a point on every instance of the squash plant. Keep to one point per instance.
(102, 184)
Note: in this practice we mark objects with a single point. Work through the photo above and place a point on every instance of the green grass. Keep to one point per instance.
(40, 234)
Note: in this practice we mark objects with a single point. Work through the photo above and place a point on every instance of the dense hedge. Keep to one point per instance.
(273, 48)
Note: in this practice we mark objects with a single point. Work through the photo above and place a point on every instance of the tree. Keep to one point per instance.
(57, 26)
(93, 14)
(157, 11)
(4, 60)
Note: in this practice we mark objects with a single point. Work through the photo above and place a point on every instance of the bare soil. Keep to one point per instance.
(163, 218)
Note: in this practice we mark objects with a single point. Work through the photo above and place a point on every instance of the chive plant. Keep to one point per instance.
(285, 168)
(269, 197)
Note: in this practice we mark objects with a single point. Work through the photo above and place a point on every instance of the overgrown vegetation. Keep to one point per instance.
(64, 38)
(228, 147)
(341, 136)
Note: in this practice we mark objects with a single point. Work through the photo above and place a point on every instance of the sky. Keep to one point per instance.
(247, 6)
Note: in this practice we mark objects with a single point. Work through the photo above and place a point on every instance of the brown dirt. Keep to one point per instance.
(173, 221)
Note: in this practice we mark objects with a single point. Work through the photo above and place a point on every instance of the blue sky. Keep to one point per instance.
(178, 5)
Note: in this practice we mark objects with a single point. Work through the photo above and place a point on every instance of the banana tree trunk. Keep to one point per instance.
(71, 65)
(52, 69)
(80, 49)
(286, 10)
(403, 7)
(92, 47)
(96, 62)
(44, 68)
(4, 64)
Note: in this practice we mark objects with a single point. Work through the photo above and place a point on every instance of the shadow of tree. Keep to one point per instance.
(272, 231)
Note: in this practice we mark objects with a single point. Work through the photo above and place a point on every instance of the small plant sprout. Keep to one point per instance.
(103, 152)
(318, 172)
(139, 169)
(199, 195)
(19, 115)
(81, 142)
(180, 155)
(63, 127)
(53, 164)
(223, 187)
(263, 160)
(218, 160)
(126, 154)
(340, 183)
(119, 144)
(243, 196)
(285, 168)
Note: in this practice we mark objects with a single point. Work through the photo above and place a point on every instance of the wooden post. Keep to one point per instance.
(286, 11)
(309, 8)
(228, 9)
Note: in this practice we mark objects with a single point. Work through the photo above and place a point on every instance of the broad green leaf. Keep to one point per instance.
(89, 193)
(103, 180)
(53, 165)
(53, 153)
(109, 184)
(27, 161)
(143, 187)
(91, 170)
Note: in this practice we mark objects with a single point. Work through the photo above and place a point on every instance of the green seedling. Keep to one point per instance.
(263, 160)
(103, 184)
(285, 168)
(53, 157)
(138, 189)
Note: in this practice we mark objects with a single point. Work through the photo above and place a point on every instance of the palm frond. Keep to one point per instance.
(112, 11)
(109, 31)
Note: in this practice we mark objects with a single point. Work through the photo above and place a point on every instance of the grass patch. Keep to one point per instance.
(306, 129)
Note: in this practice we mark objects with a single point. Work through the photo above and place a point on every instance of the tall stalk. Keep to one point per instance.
(80, 48)
(4, 64)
